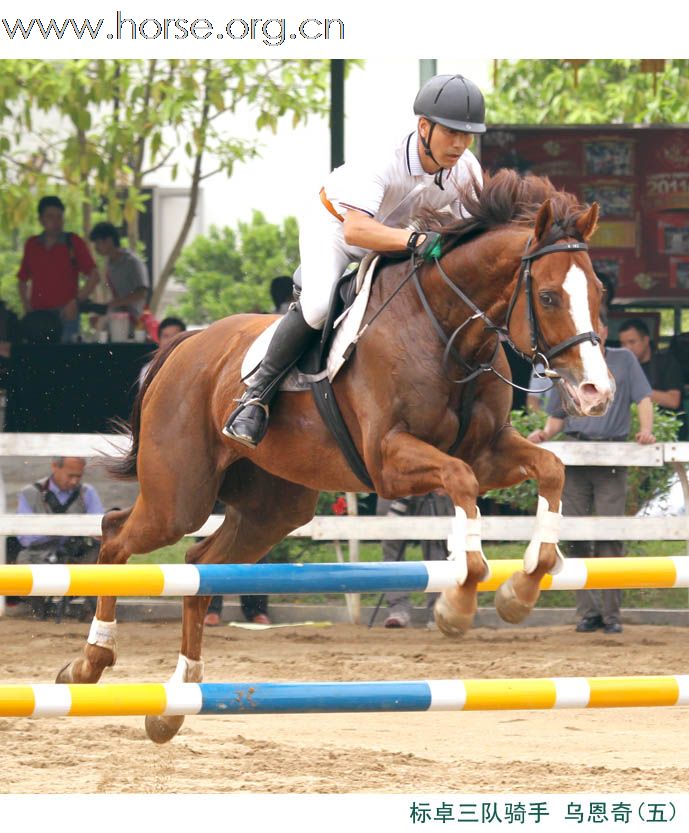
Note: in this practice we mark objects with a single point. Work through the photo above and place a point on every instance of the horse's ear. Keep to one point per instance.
(586, 224)
(544, 220)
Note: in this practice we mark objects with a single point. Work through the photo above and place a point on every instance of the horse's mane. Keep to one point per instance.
(124, 468)
(506, 197)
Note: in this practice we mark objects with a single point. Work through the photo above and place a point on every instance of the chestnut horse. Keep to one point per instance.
(522, 267)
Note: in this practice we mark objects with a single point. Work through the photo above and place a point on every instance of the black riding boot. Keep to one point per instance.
(248, 423)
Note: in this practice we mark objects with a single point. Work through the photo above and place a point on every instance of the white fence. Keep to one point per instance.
(353, 528)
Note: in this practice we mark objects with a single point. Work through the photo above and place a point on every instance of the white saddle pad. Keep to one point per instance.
(346, 329)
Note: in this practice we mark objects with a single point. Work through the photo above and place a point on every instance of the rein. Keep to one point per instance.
(502, 333)
(416, 265)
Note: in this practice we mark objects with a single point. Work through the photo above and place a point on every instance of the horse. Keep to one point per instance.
(517, 269)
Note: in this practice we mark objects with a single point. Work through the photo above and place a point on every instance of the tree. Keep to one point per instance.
(9, 293)
(99, 130)
(595, 92)
(230, 271)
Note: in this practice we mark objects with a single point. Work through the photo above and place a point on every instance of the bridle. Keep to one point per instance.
(523, 279)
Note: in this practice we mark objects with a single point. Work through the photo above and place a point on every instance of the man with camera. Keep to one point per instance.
(61, 493)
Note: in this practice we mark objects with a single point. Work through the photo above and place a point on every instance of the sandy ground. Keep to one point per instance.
(620, 750)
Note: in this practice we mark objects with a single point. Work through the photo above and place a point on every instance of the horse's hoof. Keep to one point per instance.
(65, 675)
(87, 668)
(510, 608)
(449, 621)
(163, 729)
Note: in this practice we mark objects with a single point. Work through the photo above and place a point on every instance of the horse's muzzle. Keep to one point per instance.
(586, 398)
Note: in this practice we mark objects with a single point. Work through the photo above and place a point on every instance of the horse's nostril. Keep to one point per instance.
(588, 389)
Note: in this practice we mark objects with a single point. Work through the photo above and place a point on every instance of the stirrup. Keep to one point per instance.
(240, 438)
(244, 403)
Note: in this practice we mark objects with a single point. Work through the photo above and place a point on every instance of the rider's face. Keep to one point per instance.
(446, 145)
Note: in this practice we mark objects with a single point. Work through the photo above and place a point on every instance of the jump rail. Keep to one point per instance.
(330, 697)
(373, 528)
(372, 577)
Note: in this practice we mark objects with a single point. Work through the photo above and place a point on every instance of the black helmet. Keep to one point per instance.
(453, 101)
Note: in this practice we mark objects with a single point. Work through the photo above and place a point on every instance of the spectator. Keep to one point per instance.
(52, 263)
(433, 504)
(125, 272)
(601, 490)
(254, 609)
(661, 368)
(60, 493)
(282, 293)
(167, 330)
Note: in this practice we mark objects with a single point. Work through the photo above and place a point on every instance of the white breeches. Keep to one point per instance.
(324, 259)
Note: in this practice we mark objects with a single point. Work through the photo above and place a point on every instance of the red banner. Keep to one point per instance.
(640, 178)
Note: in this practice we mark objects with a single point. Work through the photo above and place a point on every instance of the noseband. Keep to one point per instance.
(524, 279)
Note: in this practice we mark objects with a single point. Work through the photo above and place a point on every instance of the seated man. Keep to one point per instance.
(368, 206)
(62, 492)
(125, 272)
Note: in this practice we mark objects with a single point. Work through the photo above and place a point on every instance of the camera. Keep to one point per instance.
(71, 549)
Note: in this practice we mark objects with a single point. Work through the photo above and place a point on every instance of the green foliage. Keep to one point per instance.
(230, 271)
(523, 497)
(96, 131)
(643, 483)
(9, 291)
(606, 91)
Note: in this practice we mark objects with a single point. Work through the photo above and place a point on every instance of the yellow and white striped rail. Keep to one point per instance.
(328, 697)
(424, 576)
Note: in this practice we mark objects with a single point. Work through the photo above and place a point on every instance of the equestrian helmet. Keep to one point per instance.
(453, 101)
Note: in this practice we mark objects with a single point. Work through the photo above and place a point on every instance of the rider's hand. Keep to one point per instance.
(645, 438)
(539, 436)
(425, 244)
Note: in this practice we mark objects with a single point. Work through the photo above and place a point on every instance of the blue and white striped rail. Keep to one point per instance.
(247, 579)
(331, 697)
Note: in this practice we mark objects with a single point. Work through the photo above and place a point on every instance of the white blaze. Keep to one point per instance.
(595, 369)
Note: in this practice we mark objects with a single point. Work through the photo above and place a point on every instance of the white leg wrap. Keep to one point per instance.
(103, 634)
(188, 670)
(547, 531)
(465, 536)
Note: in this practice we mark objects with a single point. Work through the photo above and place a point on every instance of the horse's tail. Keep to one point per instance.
(124, 468)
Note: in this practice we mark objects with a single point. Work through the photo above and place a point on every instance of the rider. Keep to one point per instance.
(368, 207)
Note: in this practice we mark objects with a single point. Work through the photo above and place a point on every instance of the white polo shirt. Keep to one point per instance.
(394, 188)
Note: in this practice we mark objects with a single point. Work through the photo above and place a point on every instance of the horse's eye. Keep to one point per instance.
(548, 299)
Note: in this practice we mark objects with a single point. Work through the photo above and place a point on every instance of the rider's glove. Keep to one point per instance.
(425, 244)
